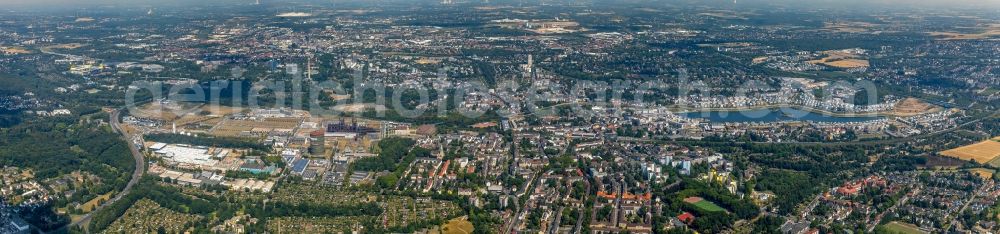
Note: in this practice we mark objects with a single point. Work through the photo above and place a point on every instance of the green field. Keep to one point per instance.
(708, 206)
(897, 227)
(995, 162)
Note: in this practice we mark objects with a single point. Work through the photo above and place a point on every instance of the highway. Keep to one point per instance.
(140, 169)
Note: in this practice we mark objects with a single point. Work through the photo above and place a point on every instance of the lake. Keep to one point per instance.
(773, 115)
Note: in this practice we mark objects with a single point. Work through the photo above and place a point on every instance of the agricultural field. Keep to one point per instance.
(848, 63)
(67, 46)
(848, 27)
(15, 50)
(145, 216)
(725, 15)
(986, 31)
(983, 172)
(995, 162)
(982, 152)
(840, 59)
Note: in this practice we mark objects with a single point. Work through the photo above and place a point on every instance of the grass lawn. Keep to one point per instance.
(93, 203)
(455, 226)
(897, 227)
(708, 206)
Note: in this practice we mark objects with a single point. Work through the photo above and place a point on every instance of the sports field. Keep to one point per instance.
(704, 205)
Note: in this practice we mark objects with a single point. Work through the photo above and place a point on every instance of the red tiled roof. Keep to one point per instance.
(686, 217)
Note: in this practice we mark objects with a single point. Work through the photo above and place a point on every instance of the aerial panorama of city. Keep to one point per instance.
(500, 116)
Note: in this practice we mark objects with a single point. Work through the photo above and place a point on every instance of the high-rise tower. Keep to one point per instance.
(531, 63)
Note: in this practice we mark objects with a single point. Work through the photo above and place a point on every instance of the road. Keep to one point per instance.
(878, 218)
(140, 162)
(515, 221)
(975, 193)
(809, 207)
(554, 229)
(140, 169)
(580, 216)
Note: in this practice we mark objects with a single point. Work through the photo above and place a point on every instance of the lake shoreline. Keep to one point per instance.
(786, 113)
(778, 107)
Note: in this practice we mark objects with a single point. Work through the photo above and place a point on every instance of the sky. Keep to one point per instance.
(951, 3)
(845, 3)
